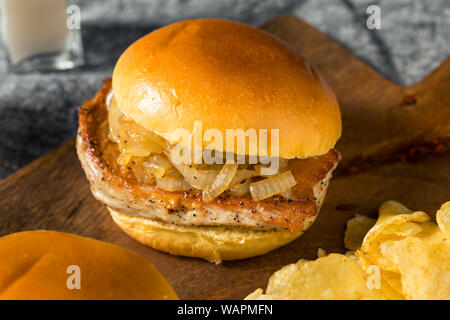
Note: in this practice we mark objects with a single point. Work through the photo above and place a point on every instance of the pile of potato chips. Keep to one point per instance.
(404, 255)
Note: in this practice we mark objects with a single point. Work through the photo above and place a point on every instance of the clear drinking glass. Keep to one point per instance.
(41, 35)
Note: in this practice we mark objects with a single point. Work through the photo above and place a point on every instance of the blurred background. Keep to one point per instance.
(38, 110)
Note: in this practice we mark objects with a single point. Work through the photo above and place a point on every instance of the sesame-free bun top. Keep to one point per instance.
(228, 76)
(34, 265)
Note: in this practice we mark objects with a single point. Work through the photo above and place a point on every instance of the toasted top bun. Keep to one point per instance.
(228, 76)
(36, 265)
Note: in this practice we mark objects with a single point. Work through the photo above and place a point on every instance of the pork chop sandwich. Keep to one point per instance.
(213, 139)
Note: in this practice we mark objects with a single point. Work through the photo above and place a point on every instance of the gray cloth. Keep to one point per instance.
(38, 111)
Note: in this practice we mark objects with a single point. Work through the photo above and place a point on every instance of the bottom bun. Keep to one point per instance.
(215, 244)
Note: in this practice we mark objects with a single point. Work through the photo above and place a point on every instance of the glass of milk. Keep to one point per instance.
(41, 35)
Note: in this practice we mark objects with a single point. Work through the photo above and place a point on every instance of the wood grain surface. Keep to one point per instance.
(395, 146)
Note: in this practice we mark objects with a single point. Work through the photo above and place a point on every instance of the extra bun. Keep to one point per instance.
(228, 76)
(33, 265)
(215, 244)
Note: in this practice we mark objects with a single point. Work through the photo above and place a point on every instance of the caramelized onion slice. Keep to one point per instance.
(157, 165)
(132, 139)
(239, 190)
(242, 175)
(221, 182)
(114, 115)
(271, 186)
(173, 184)
(140, 137)
(199, 179)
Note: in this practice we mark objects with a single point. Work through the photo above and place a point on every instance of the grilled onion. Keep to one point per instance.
(239, 190)
(242, 175)
(221, 183)
(157, 165)
(199, 179)
(141, 146)
(173, 184)
(132, 139)
(271, 186)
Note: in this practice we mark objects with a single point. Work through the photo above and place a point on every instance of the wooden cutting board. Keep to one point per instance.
(394, 145)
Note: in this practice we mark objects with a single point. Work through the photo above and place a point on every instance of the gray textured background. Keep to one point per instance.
(38, 111)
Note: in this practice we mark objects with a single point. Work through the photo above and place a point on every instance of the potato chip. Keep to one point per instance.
(374, 281)
(332, 277)
(403, 256)
(390, 283)
(356, 230)
(412, 251)
(443, 218)
(394, 281)
(395, 222)
(424, 268)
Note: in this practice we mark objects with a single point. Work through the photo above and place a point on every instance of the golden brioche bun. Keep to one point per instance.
(228, 76)
(214, 244)
(33, 265)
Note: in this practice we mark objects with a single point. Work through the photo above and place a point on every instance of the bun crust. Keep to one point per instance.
(215, 244)
(228, 76)
(33, 265)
